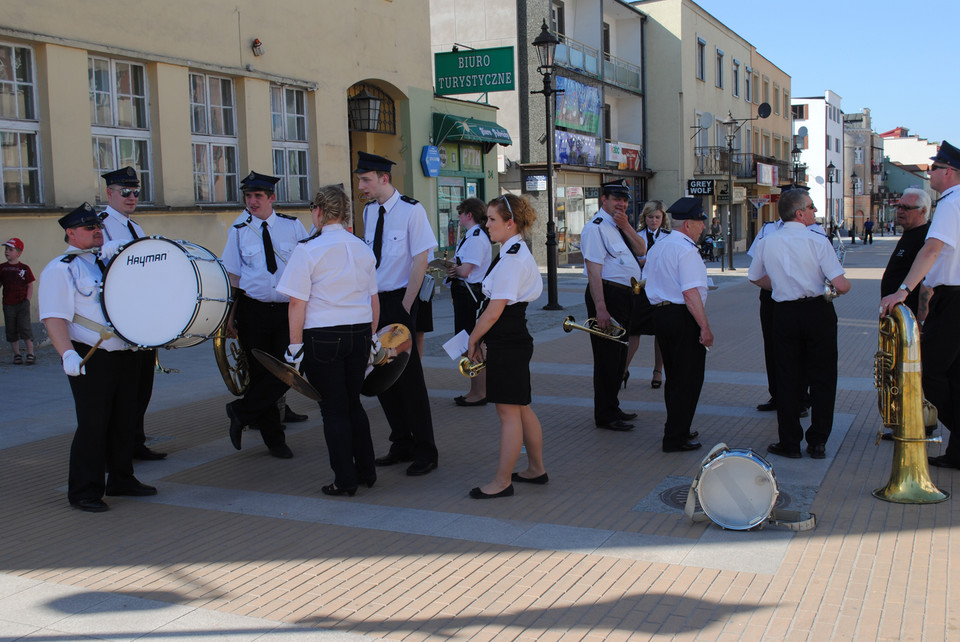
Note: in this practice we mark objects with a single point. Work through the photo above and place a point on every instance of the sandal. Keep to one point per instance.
(17, 359)
(31, 359)
(656, 383)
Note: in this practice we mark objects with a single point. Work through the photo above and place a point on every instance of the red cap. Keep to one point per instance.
(15, 243)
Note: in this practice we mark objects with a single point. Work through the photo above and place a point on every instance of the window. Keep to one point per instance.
(606, 39)
(214, 129)
(735, 79)
(799, 112)
(19, 127)
(557, 18)
(288, 111)
(720, 68)
(776, 98)
(748, 85)
(786, 103)
(837, 144)
(703, 133)
(828, 141)
(701, 59)
(858, 155)
(766, 90)
(119, 121)
(858, 186)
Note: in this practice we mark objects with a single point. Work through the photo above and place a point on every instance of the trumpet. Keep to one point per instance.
(470, 368)
(614, 332)
(829, 292)
(636, 286)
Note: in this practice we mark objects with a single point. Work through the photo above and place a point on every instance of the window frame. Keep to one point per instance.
(701, 59)
(285, 147)
(719, 68)
(22, 125)
(215, 156)
(735, 78)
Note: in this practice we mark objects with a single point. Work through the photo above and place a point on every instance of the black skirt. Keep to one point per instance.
(509, 351)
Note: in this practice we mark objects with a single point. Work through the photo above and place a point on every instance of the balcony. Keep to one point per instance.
(586, 60)
(716, 161)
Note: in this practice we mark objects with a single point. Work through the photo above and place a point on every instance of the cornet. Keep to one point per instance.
(614, 332)
(470, 368)
(636, 286)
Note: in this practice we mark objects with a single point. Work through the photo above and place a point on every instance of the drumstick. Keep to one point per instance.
(92, 350)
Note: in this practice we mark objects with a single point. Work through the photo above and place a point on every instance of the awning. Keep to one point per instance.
(447, 127)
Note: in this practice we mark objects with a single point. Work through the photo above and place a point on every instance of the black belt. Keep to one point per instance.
(946, 288)
(663, 303)
(806, 299)
(268, 304)
(617, 285)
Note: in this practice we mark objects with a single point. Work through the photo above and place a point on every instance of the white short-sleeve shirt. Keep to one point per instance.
(797, 259)
(602, 243)
(475, 250)
(116, 228)
(243, 253)
(406, 233)
(673, 266)
(516, 276)
(945, 226)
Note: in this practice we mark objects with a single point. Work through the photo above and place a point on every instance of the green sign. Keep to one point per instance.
(476, 71)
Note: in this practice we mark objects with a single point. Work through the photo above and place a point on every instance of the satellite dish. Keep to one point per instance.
(706, 119)
(802, 132)
(819, 180)
(763, 111)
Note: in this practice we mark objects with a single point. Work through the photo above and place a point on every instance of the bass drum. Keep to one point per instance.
(737, 488)
(160, 293)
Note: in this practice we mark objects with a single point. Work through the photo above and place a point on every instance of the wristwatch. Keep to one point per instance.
(903, 286)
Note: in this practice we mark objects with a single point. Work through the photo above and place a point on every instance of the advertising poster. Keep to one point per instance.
(578, 107)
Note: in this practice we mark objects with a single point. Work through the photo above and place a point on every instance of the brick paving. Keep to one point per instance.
(239, 545)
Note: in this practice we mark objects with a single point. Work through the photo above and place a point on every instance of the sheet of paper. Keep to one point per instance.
(456, 346)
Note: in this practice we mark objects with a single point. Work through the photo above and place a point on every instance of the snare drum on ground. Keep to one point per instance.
(162, 293)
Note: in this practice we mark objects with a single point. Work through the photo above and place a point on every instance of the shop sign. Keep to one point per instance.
(430, 161)
(474, 71)
(700, 188)
(536, 182)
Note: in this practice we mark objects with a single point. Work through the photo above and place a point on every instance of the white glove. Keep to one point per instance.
(375, 348)
(109, 249)
(294, 354)
(71, 364)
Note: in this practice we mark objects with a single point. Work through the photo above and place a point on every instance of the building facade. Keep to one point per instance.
(818, 133)
(863, 160)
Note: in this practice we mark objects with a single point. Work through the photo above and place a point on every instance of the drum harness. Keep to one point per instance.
(790, 519)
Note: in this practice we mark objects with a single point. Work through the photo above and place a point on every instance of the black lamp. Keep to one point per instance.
(364, 110)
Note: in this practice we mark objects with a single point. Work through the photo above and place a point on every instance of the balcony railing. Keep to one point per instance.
(717, 161)
(586, 60)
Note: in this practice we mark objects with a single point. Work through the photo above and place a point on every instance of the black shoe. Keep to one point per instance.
(888, 436)
(817, 451)
(236, 426)
(804, 412)
(778, 449)
(462, 401)
(766, 407)
(367, 481)
(618, 425)
(626, 416)
(417, 469)
(684, 447)
(134, 488)
(281, 452)
(541, 480)
(942, 462)
(146, 454)
(90, 505)
(391, 458)
(290, 417)
(333, 490)
(476, 493)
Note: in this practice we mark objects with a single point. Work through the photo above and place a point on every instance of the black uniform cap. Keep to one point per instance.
(688, 208)
(125, 176)
(83, 215)
(948, 155)
(255, 182)
(618, 187)
(372, 163)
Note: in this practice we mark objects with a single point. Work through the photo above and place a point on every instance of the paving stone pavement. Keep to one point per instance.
(242, 546)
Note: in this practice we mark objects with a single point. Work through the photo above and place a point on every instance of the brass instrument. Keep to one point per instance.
(614, 332)
(897, 377)
(636, 286)
(232, 361)
(829, 292)
(470, 368)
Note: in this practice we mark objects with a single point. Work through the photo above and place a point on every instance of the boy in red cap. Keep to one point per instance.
(17, 281)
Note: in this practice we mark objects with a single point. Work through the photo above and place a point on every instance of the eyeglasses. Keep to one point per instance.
(907, 208)
(126, 192)
(934, 168)
(91, 228)
(509, 209)
(811, 206)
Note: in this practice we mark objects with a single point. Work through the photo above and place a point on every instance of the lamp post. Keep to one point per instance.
(799, 169)
(831, 169)
(853, 203)
(546, 45)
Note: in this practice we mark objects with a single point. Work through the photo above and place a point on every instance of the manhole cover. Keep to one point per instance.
(676, 497)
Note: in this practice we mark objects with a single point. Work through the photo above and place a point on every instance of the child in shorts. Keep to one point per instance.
(17, 280)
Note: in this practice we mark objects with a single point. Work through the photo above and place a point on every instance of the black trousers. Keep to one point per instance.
(264, 326)
(609, 357)
(940, 356)
(684, 357)
(769, 358)
(334, 360)
(805, 348)
(405, 403)
(147, 360)
(106, 403)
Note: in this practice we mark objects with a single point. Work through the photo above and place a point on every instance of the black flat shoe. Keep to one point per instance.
(693, 435)
(462, 401)
(367, 481)
(684, 447)
(782, 451)
(627, 416)
(767, 407)
(476, 493)
(942, 462)
(391, 458)
(333, 490)
(132, 489)
(617, 425)
(236, 427)
(146, 454)
(291, 417)
(541, 480)
(282, 452)
(817, 451)
(416, 469)
(90, 505)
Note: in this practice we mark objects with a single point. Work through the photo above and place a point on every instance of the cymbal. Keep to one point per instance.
(396, 343)
(287, 374)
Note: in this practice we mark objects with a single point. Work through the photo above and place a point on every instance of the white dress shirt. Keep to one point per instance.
(243, 254)
(673, 266)
(797, 259)
(602, 243)
(945, 227)
(516, 276)
(406, 233)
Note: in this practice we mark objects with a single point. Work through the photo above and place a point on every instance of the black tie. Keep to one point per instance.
(629, 249)
(133, 232)
(268, 249)
(493, 263)
(103, 268)
(460, 244)
(378, 236)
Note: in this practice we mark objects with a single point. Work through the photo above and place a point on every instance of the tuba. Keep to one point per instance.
(897, 378)
(232, 361)
(613, 332)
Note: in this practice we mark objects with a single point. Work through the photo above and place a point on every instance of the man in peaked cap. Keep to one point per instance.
(610, 247)
(677, 288)
(123, 196)
(396, 228)
(937, 266)
(256, 252)
(105, 387)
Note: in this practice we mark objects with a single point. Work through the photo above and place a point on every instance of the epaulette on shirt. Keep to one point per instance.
(68, 258)
(476, 232)
(286, 216)
(311, 237)
(242, 223)
(597, 220)
(407, 199)
(514, 249)
(103, 215)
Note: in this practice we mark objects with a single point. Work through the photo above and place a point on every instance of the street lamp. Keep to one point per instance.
(799, 169)
(853, 202)
(546, 45)
(831, 169)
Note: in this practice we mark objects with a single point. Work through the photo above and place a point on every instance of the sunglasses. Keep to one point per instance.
(907, 208)
(934, 168)
(91, 228)
(127, 192)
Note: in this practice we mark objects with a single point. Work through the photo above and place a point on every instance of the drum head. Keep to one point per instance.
(737, 489)
(150, 292)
